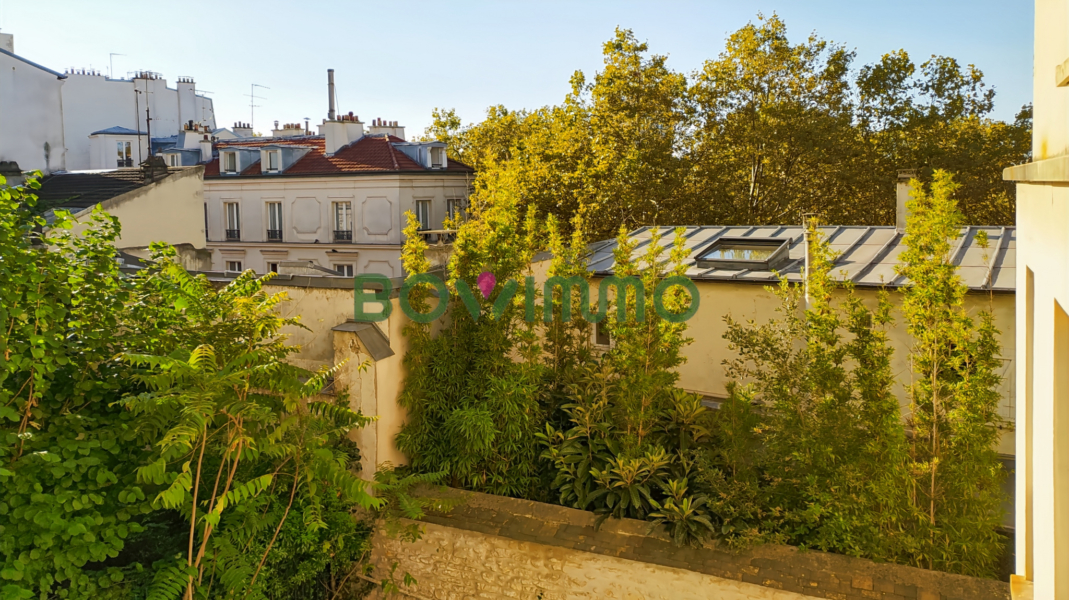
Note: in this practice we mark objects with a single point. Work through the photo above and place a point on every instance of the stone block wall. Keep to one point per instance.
(494, 547)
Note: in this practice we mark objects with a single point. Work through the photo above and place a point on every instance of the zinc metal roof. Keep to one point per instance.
(867, 256)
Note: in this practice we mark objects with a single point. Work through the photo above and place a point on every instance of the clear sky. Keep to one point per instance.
(399, 60)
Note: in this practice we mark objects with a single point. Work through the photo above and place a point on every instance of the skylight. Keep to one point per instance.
(755, 254)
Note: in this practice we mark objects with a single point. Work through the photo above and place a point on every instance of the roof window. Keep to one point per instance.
(755, 254)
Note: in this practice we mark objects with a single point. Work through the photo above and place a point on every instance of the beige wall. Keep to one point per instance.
(378, 201)
(704, 371)
(1042, 515)
(170, 210)
(374, 389)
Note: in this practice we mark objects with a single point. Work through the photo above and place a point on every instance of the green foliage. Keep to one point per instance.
(472, 410)
(954, 398)
(762, 133)
(155, 441)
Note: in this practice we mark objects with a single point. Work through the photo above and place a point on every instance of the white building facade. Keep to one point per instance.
(47, 118)
(336, 200)
(31, 109)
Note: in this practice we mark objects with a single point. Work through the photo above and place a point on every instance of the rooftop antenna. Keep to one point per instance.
(252, 103)
(111, 64)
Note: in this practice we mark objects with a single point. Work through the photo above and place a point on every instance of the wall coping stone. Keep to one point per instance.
(811, 572)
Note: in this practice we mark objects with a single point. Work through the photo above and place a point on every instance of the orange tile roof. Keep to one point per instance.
(369, 154)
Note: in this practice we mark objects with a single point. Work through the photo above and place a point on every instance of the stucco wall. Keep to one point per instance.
(1043, 319)
(378, 202)
(31, 116)
(704, 371)
(170, 210)
(494, 547)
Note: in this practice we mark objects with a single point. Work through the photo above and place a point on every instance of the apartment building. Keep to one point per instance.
(336, 199)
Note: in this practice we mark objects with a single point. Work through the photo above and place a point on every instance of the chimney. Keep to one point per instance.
(205, 149)
(340, 133)
(902, 195)
(330, 94)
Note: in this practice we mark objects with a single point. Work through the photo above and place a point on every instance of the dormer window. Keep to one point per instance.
(230, 162)
(272, 161)
(174, 160)
(437, 158)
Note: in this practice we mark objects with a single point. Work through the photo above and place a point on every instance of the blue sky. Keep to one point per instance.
(398, 61)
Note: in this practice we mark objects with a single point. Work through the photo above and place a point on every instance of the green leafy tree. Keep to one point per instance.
(473, 410)
(954, 396)
(834, 448)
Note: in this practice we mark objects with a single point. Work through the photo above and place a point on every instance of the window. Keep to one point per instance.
(273, 267)
(343, 221)
(233, 221)
(125, 158)
(346, 270)
(230, 162)
(274, 221)
(738, 253)
(454, 208)
(233, 266)
(272, 161)
(174, 160)
(423, 213)
(437, 158)
(601, 334)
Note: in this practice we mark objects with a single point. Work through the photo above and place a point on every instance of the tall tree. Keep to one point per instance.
(954, 396)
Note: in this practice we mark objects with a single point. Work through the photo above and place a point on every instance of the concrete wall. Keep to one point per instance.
(1042, 532)
(31, 116)
(494, 547)
(170, 210)
(379, 203)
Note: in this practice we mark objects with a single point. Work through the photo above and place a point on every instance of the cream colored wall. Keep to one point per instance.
(370, 251)
(374, 390)
(704, 371)
(1042, 515)
(1043, 249)
(170, 210)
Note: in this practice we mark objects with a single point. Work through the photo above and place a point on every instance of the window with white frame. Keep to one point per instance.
(454, 208)
(437, 158)
(233, 266)
(343, 221)
(346, 270)
(233, 220)
(125, 154)
(272, 161)
(274, 221)
(174, 160)
(273, 267)
(423, 213)
(230, 162)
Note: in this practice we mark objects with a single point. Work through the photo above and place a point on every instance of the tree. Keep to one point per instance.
(954, 397)
(151, 416)
(774, 136)
(473, 410)
(832, 463)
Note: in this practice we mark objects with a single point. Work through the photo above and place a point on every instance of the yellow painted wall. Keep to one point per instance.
(170, 210)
